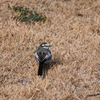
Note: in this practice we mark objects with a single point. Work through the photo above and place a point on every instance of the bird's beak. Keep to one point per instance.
(50, 45)
(47, 45)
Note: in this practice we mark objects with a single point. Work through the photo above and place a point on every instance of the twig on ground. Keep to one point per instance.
(91, 95)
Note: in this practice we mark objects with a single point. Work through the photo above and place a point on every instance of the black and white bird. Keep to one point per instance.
(43, 55)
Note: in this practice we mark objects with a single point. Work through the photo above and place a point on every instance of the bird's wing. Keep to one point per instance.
(36, 57)
(48, 55)
(43, 55)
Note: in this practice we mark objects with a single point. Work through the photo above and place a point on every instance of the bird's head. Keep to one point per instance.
(45, 45)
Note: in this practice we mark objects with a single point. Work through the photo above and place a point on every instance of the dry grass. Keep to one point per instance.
(73, 28)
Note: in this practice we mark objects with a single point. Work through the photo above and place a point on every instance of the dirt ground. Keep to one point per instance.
(73, 29)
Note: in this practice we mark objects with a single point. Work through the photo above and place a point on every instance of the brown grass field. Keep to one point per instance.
(73, 29)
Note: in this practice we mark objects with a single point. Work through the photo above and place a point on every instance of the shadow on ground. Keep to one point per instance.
(50, 65)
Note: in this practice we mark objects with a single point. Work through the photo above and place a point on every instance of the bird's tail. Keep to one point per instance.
(40, 68)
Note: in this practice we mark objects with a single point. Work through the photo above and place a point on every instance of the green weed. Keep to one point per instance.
(28, 16)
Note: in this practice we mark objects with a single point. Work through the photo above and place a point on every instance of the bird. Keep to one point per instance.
(43, 55)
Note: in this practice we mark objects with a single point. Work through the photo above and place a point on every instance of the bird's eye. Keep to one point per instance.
(42, 45)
